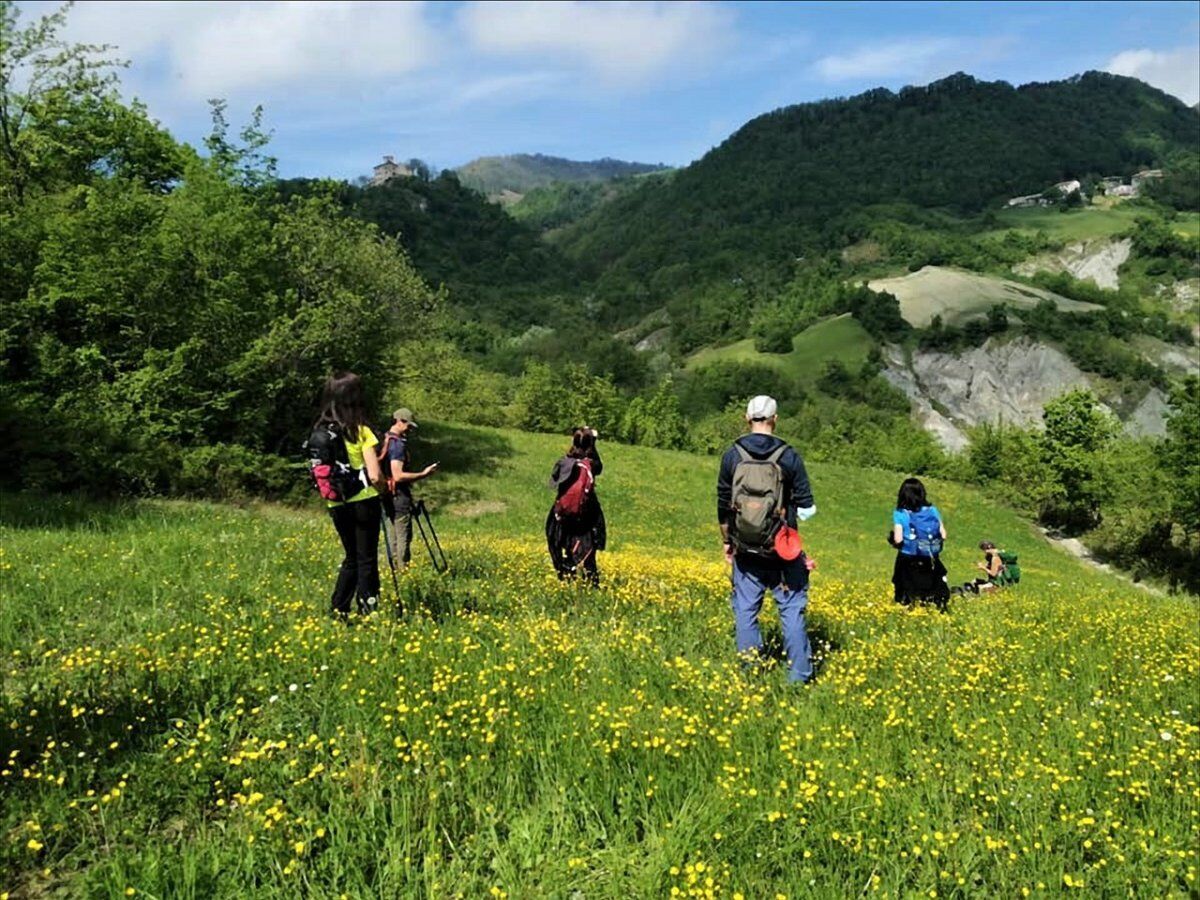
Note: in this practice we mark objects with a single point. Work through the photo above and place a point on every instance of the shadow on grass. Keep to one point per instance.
(820, 639)
(460, 449)
(71, 512)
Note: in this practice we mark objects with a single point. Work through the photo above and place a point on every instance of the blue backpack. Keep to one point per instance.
(923, 537)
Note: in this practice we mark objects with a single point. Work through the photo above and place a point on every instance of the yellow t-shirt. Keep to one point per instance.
(366, 441)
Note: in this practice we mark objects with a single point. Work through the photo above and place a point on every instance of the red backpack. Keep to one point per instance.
(578, 495)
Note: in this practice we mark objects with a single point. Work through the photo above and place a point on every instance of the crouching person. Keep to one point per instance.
(761, 489)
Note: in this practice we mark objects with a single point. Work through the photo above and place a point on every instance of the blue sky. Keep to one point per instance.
(344, 83)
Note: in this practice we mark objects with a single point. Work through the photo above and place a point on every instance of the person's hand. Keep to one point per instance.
(729, 554)
(810, 563)
(429, 470)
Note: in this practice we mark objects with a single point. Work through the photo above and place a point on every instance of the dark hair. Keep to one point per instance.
(583, 442)
(986, 545)
(344, 403)
(912, 495)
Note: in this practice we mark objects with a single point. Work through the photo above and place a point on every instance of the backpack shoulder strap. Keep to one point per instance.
(742, 451)
(778, 454)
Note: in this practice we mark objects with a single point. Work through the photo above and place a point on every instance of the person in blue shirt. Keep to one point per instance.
(918, 531)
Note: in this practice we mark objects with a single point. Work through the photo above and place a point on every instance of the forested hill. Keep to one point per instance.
(796, 180)
(524, 171)
(494, 267)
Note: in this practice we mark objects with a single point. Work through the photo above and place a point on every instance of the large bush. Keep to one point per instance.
(164, 302)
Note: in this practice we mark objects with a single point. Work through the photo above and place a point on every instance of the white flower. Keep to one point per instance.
(1166, 735)
(272, 698)
(293, 687)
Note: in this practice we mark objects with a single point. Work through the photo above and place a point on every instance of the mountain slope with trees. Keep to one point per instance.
(522, 172)
(803, 178)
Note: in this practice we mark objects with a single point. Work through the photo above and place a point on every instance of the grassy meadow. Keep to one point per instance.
(1088, 223)
(838, 337)
(181, 717)
(957, 295)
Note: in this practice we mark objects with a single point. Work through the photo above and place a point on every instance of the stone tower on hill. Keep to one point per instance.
(389, 169)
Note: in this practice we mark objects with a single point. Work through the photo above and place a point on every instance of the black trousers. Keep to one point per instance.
(357, 525)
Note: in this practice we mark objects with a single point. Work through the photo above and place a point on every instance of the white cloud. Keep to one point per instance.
(898, 59)
(227, 49)
(622, 42)
(1174, 71)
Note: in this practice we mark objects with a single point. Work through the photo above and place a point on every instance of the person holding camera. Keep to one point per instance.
(575, 527)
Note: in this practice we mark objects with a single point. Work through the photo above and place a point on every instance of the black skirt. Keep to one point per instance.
(920, 579)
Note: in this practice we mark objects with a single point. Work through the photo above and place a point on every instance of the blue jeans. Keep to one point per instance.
(751, 580)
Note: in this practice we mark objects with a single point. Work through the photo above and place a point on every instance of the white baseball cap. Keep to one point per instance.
(760, 407)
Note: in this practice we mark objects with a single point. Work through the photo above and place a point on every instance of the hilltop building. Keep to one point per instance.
(389, 169)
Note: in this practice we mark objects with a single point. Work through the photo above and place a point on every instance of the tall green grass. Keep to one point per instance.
(181, 718)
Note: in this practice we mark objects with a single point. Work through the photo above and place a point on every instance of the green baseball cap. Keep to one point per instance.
(404, 414)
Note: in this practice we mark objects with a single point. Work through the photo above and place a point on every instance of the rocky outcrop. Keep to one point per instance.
(1001, 381)
(1149, 418)
(1097, 260)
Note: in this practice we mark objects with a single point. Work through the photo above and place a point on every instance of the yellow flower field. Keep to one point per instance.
(182, 718)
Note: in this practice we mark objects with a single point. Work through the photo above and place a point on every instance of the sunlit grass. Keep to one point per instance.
(181, 717)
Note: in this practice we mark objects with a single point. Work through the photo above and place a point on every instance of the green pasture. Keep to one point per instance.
(838, 337)
(1088, 223)
(957, 295)
(179, 716)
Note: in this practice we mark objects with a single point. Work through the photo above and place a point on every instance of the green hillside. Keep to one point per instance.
(521, 172)
(840, 338)
(212, 732)
(799, 179)
(560, 203)
(494, 267)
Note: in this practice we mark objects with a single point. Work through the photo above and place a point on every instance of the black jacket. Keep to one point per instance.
(796, 490)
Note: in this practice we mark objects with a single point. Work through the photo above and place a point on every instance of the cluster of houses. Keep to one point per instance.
(1112, 186)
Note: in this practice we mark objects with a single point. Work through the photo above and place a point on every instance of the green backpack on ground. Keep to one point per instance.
(1011, 573)
(757, 501)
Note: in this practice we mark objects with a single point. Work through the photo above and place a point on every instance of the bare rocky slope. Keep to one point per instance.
(1000, 382)
(1097, 260)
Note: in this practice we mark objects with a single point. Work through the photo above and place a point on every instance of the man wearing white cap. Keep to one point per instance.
(762, 492)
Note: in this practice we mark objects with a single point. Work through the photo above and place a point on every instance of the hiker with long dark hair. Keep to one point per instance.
(575, 527)
(917, 534)
(353, 499)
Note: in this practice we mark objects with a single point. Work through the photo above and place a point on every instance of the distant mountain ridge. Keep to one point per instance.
(522, 172)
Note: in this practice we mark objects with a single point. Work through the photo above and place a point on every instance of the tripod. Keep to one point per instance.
(429, 535)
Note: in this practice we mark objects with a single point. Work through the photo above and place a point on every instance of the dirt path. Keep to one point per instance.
(1076, 548)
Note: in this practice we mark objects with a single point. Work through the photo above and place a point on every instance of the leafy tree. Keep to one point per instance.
(564, 397)
(1076, 432)
(1181, 452)
(655, 420)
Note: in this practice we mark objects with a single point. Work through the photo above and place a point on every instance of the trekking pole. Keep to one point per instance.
(387, 546)
(439, 565)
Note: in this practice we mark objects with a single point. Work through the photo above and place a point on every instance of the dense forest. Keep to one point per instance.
(493, 267)
(794, 181)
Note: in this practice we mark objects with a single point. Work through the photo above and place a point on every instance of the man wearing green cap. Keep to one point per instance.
(395, 459)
